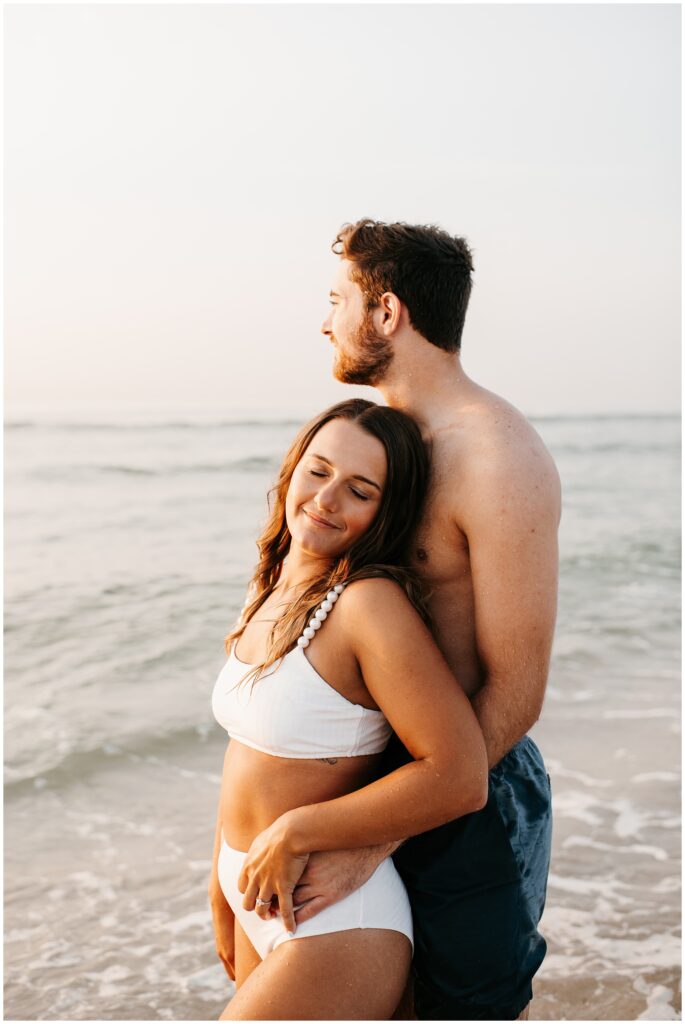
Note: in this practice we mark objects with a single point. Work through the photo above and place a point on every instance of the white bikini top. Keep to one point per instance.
(291, 711)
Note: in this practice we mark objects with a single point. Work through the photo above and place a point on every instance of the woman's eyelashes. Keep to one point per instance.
(357, 494)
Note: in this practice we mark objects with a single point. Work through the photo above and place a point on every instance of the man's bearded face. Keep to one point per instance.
(364, 356)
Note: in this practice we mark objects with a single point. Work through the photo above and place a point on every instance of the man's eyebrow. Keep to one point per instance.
(356, 476)
(334, 295)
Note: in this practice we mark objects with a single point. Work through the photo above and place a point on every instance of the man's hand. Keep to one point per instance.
(334, 874)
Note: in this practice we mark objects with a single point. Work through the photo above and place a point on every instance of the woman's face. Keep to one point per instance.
(336, 489)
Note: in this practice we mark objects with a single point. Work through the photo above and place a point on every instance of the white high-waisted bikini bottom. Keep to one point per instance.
(381, 902)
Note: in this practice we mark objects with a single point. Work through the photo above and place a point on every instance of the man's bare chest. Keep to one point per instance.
(440, 550)
(441, 558)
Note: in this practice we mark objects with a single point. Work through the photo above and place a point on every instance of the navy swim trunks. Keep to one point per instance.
(477, 891)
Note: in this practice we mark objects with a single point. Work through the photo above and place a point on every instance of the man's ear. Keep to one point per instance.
(388, 314)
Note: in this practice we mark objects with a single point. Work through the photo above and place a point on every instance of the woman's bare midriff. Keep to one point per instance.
(256, 788)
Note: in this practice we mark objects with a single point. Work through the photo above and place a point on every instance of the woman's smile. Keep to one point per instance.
(320, 521)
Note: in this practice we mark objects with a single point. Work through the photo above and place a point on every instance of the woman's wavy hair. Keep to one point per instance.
(382, 551)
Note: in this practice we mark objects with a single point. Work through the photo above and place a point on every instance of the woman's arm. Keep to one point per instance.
(214, 886)
(410, 681)
(223, 918)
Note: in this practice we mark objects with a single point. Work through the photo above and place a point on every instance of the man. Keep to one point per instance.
(487, 550)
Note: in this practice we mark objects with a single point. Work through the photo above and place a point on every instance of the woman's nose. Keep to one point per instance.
(325, 498)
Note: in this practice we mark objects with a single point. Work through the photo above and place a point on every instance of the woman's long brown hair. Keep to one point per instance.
(383, 551)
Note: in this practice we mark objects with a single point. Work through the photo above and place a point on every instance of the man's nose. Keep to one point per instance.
(326, 325)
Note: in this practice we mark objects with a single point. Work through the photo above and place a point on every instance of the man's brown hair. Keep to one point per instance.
(427, 269)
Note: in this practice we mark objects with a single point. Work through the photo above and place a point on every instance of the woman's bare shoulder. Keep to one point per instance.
(376, 602)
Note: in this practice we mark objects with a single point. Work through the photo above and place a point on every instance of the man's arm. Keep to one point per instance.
(509, 511)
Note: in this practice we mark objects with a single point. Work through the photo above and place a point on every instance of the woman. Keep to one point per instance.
(310, 710)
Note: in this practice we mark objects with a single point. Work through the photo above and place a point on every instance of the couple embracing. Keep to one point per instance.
(384, 824)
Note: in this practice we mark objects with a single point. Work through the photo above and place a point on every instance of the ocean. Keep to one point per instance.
(128, 548)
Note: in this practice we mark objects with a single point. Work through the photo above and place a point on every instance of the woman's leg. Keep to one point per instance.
(246, 956)
(357, 974)
(405, 1008)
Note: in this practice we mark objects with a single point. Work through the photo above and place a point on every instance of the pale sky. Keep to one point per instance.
(175, 174)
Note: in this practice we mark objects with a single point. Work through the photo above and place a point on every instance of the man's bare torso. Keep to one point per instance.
(482, 430)
(442, 560)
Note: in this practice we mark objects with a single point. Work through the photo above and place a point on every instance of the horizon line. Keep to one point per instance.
(45, 416)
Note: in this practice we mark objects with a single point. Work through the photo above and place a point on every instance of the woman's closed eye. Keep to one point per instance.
(358, 494)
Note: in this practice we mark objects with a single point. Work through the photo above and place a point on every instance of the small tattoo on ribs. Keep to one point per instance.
(329, 760)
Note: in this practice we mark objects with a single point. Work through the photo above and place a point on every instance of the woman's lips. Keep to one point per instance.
(319, 520)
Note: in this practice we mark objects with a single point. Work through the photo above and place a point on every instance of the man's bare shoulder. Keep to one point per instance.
(488, 447)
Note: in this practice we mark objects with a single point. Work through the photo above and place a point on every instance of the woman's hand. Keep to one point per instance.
(223, 920)
(272, 868)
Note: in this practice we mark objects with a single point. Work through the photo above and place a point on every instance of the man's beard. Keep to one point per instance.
(370, 359)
